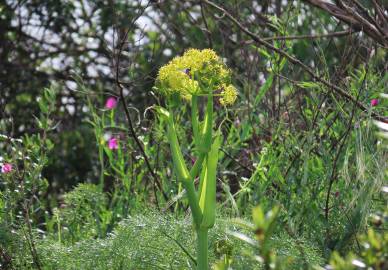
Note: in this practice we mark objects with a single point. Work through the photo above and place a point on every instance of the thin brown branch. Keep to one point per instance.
(132, 131)
(208, 33)
(351, 17)
(381, 15)
(237, 161)
(329, 35)
(341, 142)
(294, 61)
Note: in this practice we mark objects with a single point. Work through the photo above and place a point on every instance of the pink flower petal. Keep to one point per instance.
(6, 168)
(374, 102)
(113, 144)
(111, 103)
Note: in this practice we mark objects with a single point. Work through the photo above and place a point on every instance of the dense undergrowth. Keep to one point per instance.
(115, 228)
(297, 161)
(151, 241)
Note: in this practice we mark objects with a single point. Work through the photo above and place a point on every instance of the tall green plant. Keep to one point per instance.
(21, 183)
(197, 74)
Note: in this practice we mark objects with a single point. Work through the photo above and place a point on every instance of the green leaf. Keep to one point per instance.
(308, 85)
(264, 88)
(207, 200)
(258, 216)
(162, 112)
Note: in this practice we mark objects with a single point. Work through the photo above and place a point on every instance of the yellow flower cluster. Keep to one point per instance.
(228, 95)
(196, 72)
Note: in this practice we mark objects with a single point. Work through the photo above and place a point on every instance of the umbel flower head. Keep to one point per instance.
(196, 72)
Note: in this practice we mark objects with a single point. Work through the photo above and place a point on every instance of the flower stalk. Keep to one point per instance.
(196, 74)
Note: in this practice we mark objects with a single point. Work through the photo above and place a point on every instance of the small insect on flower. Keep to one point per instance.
(6, 168)
(374, 102)
(111, 103)
(113, 144)
(187, 71)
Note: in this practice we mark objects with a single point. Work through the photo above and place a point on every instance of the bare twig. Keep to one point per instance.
(342, 141)
(329, 35)
(237, 161)
(208, 33)
(354, 19)
(30, 238)
(295, 61)
(132, 131)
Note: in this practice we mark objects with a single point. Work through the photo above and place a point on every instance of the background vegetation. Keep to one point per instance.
(302, 137)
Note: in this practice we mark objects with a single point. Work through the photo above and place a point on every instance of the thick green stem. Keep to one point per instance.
(194, 119)
(203, 142)
(206, 133)
(183, 174)
(102, 167)
(193, 202)
(177, 157)
(202, 249)
(197, 166)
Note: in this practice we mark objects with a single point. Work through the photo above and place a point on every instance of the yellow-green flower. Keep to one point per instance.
(173, 80)
(196, 72)
(228, 95)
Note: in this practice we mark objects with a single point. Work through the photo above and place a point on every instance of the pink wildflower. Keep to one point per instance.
(6, 168)
(113, 144)
(111, 103)
(374, 102)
